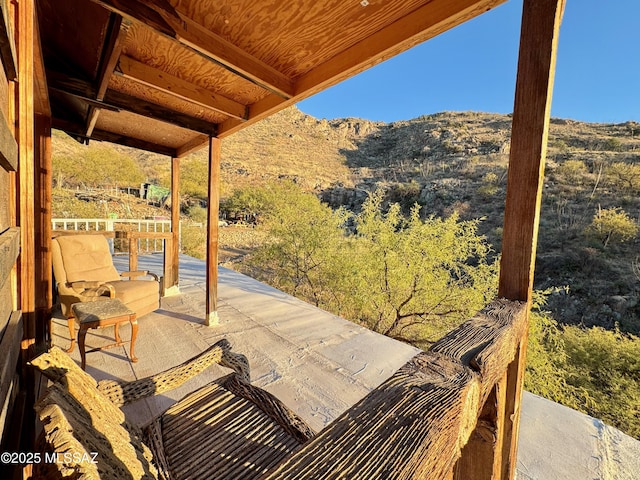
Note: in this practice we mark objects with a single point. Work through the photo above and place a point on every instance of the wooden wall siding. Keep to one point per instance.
(10, 384)
(9, 249)
(7, 43)
(8, 146)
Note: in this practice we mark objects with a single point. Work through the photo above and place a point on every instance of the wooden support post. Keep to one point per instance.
(172, 248)
(212, 231)
(44, 284)
(26, 173)
(534, 86)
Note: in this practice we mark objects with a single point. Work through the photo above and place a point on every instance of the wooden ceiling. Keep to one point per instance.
(164, 75)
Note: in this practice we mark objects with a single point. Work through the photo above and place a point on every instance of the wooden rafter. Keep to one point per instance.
(177, 87)
(167, 21)
(116, 101)
(116, 34)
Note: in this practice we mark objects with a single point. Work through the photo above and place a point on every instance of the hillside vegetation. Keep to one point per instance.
(453, 166)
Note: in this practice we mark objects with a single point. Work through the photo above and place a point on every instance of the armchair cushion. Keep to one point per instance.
(85, 258)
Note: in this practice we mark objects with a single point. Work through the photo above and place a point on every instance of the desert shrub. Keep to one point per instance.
(612, 225)
(489, 185)
(593, 370)
(572, 172)
(605, 363)
(623, 176)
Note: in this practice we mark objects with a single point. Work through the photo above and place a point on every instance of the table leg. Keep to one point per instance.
(134, 334)
(82, 333)
(71, 325)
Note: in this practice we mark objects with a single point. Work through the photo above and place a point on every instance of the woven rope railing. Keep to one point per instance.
(416, 424)
(122, 393)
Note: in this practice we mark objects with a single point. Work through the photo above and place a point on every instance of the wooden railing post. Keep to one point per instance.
(172, 246)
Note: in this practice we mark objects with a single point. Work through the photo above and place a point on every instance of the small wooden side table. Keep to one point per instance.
(104, 314)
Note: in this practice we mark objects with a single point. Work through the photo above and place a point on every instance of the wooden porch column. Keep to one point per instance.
(44, 283)
(534, 86)
(172, 248)
(26, 167)
(212, 231)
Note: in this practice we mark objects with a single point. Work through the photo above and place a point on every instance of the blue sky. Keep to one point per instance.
(473, 67)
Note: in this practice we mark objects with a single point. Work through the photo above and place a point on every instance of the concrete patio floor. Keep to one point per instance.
(319, 365)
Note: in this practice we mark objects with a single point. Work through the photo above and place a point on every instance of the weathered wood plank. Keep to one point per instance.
(211, 316)
(9, 250)
(8, 146)
(7, 43)
(416, 423)
(9, 355)
(487, 342)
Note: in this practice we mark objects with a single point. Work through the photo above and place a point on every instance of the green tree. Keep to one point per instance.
(612, 224)
(304, 240)
(96, 167)
(404, 277)
(417, 279)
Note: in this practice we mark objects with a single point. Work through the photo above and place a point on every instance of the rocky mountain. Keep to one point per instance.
(455, 161)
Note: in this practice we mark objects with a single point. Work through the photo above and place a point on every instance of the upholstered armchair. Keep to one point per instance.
(84, 272)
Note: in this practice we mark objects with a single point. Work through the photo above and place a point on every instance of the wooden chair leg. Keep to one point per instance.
(134, 334)
(82, 333)
(116, 332)
(71, 324)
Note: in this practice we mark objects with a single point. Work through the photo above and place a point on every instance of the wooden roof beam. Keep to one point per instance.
(164, 19)
(115, 37)
(116, 101)
(155, 78)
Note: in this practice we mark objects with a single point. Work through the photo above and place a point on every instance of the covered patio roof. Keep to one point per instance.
(164, 75)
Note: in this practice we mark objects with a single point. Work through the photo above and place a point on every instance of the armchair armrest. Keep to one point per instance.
(93, 288)
(140, 273)
(122, 393)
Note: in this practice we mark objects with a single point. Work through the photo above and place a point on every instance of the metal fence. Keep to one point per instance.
(145, 245)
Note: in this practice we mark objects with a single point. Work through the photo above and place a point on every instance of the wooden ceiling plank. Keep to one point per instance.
(77, 131)
(426, 22)
(116, 101)
(197, 38)
(153, 77)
